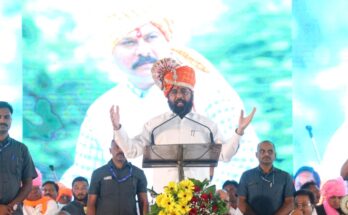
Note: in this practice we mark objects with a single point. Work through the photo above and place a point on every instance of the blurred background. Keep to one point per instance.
(287, 58)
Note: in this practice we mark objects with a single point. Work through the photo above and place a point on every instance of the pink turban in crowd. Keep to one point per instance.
(168, 73)
(333, 187)
(38, 180)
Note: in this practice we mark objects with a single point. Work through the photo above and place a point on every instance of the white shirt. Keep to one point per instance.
(213, 98)
(235, 211)
(176, 131)
(52, 209)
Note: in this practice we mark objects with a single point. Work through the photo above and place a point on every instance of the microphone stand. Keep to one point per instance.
(153, 130)
(310, 133)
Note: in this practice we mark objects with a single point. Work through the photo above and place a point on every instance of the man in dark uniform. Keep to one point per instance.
(266, 190)
(80, 191)
(17, 168)
(114, 187)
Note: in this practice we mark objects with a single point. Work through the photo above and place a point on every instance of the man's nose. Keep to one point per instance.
(143, 48)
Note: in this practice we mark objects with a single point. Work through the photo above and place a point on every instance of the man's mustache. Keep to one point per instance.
(143, 60)
(120, 153)
(3, 124)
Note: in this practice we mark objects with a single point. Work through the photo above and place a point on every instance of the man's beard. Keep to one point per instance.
(181, 110)
(84, 200)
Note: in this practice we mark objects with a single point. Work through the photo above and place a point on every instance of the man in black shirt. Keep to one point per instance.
(115, 185)
(80, 191)
(17, 168)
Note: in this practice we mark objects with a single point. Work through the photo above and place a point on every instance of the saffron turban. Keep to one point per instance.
(168, 73)
(63, 191)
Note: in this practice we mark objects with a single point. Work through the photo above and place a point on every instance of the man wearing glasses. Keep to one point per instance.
(304, 203)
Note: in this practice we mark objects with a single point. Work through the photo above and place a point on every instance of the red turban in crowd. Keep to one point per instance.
(168, 73)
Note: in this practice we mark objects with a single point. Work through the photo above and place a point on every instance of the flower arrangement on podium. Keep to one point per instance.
(188, 197)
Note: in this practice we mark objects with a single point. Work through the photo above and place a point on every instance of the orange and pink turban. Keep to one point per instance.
(168, 73)
(37, 182)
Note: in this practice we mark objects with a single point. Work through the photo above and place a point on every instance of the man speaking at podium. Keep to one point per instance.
(180, 126)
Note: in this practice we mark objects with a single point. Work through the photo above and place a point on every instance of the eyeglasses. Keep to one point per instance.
(182, 91)
(302, 205)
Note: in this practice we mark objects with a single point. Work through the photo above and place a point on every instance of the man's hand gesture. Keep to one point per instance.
(115, 117)
(244, 121)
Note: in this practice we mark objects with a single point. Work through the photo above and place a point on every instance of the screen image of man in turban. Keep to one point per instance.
(137, 38)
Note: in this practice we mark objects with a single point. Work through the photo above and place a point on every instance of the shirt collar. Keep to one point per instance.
(126, 164)
(273, 170)
(2, 143)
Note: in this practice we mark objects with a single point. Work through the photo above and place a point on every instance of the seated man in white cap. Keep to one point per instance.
(180, 126)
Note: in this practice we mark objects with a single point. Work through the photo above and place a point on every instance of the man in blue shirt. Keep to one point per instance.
(266, 190)
(17, 168)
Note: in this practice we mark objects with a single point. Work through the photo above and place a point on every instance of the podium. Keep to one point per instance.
(181, 155)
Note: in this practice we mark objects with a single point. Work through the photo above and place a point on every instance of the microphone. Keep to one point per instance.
(153, 130)
(210, 132)
(309, 129)
(53, 172)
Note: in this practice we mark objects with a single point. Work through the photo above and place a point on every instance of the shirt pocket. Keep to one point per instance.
(16, 165)
(107, 187)
(253, 187)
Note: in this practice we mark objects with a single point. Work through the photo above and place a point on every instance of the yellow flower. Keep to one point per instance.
(186, 185)
(167, 202)
(174, 210)
(182, 208)
(159, 199)
(162, 213)
(172, 187)
(185, 196)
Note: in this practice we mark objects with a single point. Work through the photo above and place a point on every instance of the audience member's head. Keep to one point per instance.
(80, 189)
(64, 194)
(266, 153)
(51, 189)
(313, 187)
(333, 190)
(231, 188)
(305, 174)
(304, 201)
(35, 193)
(224, 197)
